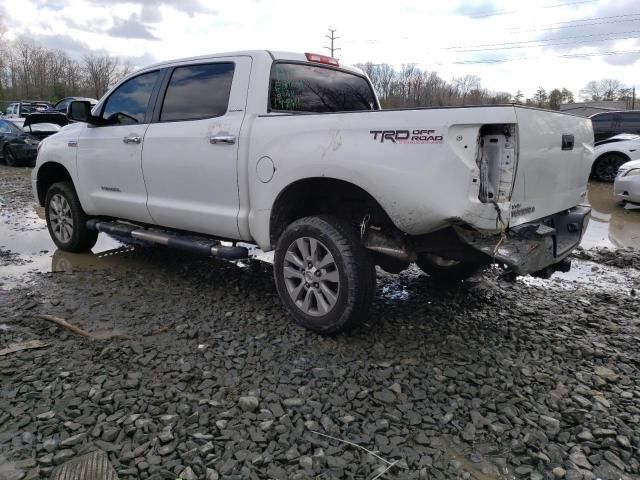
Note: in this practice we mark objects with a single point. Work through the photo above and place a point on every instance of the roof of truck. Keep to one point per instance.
(274, 54)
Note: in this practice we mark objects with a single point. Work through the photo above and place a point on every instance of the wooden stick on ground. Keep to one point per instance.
(78, 331)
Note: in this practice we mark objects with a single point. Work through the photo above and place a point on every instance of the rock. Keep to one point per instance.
(585, 436)
(293, 402)
(550, 425)
(469, 432)
(212, 474)
(167, 449)
(580, 460)
(623, 441)
(62, 456)
(614, 460)
(188, 474)
(384, 395)
(73, 440)
(306, 462)
(248, 404)
(606, 373)
(109, 435)
(50, 444)
(559, 472)
(604, 432)
(165, 436)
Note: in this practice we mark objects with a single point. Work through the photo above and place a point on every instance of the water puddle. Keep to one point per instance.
(25, 245)
(611, 225)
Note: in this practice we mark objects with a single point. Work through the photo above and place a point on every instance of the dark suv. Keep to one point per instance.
(609, 124)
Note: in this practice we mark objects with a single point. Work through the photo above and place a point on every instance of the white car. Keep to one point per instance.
(611, 153)
(291, 152)
(626, 186)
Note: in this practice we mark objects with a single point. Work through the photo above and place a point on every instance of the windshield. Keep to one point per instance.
(42, 127)
(27, 108)
(8, 127)
(310, 88)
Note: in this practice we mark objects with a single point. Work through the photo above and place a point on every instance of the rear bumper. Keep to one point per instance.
(533, 246)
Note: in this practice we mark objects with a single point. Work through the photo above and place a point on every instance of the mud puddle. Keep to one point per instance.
(611, 225)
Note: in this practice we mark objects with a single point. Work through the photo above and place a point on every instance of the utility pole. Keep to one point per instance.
(332, 38)
(633, 99)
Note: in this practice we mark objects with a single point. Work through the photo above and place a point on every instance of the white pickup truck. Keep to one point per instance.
(292, 152)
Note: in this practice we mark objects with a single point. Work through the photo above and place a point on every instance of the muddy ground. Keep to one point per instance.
(206, 378)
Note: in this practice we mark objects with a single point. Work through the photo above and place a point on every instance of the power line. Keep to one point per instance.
(574, 42)
(509, 12)
(557, 25)
(516, 44)
(567, 55)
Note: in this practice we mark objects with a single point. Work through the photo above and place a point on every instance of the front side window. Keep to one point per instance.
(198, 91)
(128, 103)
(308, 88)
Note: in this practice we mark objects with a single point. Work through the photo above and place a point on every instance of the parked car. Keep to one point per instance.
(292, 152)
(626, 186)
(611, 153)
(16, 146)
(17, 111)
(610, 124)
(62, 105)
(42, 125)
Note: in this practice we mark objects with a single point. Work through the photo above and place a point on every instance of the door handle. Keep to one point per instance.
(225, 139)
(132, 139)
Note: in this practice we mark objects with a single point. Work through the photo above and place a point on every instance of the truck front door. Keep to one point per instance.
(109, 156)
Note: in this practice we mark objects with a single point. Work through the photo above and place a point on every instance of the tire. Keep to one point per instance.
(66, 221)
(344, 271)
(9, 157)
(445, 270)
(606, 167)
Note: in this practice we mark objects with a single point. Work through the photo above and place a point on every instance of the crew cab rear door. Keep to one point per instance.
(191, 148)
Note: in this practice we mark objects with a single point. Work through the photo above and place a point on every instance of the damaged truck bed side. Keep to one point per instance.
(294, 154)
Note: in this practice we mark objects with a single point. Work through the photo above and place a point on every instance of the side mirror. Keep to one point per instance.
(79, 111)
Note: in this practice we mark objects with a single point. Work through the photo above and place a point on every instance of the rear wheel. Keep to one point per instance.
(444, 269)
(323, 274)
(66, 221)
(9, 156)
(606, 167)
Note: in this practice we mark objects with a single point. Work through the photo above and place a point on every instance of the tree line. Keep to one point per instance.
(31, 71)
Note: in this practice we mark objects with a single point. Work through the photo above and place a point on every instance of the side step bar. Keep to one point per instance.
(189, 243)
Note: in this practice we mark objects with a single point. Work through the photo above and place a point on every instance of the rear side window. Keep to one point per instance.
(308, 88)
(128, 103)
(198, 91)
(631, 120)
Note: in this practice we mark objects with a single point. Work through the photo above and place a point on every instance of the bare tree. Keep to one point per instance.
(605, 89)
(101, 72)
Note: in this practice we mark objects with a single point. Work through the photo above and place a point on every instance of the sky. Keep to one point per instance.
(510, 45)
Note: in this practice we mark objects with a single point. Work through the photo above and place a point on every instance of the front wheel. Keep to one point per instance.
(66, 221)
(323, 274)
(444, 269)
(10, 157)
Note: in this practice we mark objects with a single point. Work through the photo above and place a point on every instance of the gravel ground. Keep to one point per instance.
(208, 379)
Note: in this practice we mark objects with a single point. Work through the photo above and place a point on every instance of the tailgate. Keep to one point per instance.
(550, 176)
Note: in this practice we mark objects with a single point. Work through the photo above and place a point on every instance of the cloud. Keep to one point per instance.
(475, 9)
(74, 48)
(599, 30)
(189, 7)
(131, 28)
(150, 14)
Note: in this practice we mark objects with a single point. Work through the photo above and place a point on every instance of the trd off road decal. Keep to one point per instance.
(407, 136)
